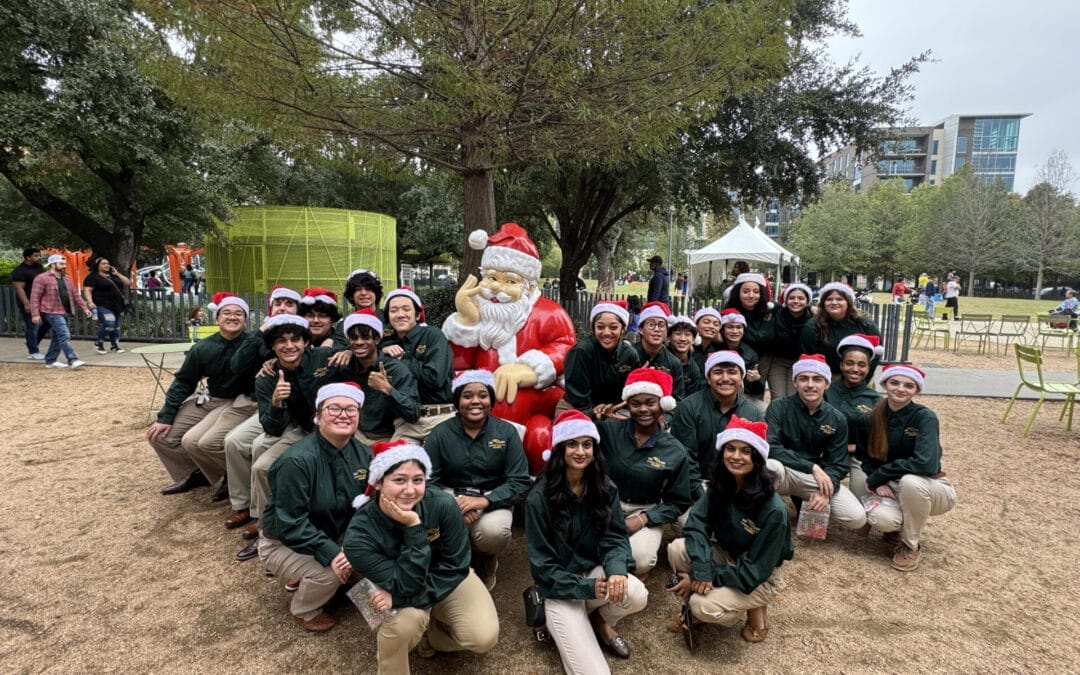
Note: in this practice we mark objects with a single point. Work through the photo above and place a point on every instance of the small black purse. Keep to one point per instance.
(534, 607)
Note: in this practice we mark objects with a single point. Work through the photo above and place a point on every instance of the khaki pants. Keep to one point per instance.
(317, 583)
(490, 534)
(568, 623)
(418, 431)
(920, 497)
(238, 445)
(776, 372)
(845, 508)
(645, 543)
(464, 621)
(208, 450)
(265, 451)
(856, 478)
(723, 605)
(366, 439)
(190, 419)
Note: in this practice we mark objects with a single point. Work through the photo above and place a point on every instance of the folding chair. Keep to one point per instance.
(1014, 328)
(1032, 356)
(1055, 326)
(926, 327)
(974, 326)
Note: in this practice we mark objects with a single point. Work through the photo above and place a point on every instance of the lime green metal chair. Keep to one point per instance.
(1031, 357)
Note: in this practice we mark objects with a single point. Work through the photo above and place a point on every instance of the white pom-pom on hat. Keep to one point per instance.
(478, 239)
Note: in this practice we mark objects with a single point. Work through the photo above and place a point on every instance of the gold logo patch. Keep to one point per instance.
(497, 444)
(625, 368)
(433, 534)
(360, 475)
(656, 462)
(320, 372)
(911, 431)
(863, 408)
(827, 430)
(421, 349)
(749, 526)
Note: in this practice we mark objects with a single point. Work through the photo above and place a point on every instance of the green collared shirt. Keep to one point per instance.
(758, 542)
(667, 362)
(380, 410)
(594, 375)
(429, 359)
(914, 446)
(211, 358)
(494, 461)
(813, 343)
(693, 373)
(562, 550)
(787, 333)
(657, 472)
(799, 439)
(313, 486)
(697, 421)
(855, 403)
(419, 565)
(299, 408)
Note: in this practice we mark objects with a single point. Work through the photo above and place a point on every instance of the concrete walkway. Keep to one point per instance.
(939, 381)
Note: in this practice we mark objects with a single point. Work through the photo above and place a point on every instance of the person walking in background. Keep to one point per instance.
(188, 278)
(153, 281)
(52, 297)
(22, 279)
(952, 295)
(660, 283)
(103, 290)
(931, 291)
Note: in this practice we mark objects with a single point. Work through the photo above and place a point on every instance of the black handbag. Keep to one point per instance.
(534, 607)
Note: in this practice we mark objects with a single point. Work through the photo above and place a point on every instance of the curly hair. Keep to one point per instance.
(270, 335)
(759, 310)
(758, 487)
(321, 307)
(363, 280)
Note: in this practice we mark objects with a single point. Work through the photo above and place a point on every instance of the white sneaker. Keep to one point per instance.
(57, 364)
(36, 356)
(77, 363)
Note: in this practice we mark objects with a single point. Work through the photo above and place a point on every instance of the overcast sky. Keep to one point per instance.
(992, 56)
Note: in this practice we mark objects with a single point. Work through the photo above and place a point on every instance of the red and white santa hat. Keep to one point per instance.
(706, 311)
(284, 319)
(811, 363)
(870, 343)
(798, 287)
(732, 315)
(571, 424)
(509, 249)
(399, 292)
(313, 295)
(837, 286)
(650, 381)
(654, 310)
(903, 370)
(751, 276)
(225, 298)
(364, 317)
(355, 273)
(484, 377)
(279, 291)
(682, 322)
(753, 434)
(724, 356)
(348, 389)
(616, 307)
(388, 454)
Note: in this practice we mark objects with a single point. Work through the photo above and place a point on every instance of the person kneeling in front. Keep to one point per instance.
(413, 544)
(313, 486)
(736, 538)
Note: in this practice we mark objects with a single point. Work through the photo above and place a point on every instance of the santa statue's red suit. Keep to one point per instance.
(504, 325)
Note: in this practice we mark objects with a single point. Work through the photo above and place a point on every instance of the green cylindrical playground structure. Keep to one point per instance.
(299, 247)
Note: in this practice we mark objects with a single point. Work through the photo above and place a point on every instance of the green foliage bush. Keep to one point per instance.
(438, 304)
(7, 266)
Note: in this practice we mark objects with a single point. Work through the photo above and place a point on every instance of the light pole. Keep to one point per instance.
(671, 234)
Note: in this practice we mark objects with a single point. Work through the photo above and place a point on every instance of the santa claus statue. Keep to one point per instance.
(504, 325)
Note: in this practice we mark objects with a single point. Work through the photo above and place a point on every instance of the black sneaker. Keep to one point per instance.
(100, 348)
(116, 349)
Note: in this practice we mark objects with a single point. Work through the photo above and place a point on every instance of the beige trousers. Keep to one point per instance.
(208, 449)
(723, 605)
(490, 534)
(645, 543)
(317, 583)
(568, 623)
(238, 444)
(776, 372)
(920, 497)
(265, 451)
(464, 621)
(856, 477)
(418, 431)
(190, 419)
(845, 508)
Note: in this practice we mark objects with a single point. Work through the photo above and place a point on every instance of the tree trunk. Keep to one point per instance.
(479, 202)
(971, 284)
(605, 259)
(1038, 281)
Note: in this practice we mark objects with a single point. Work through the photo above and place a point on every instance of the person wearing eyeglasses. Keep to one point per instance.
(314, 484)
(653, 326)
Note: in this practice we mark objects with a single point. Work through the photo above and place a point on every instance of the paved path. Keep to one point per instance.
(939, 381)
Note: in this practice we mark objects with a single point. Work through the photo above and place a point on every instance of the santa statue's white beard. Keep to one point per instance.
(500, 322)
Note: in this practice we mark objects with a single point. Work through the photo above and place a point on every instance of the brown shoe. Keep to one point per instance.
(237, 519)
(251, 531)
(320, 623)
(248, 552)
(905, 559)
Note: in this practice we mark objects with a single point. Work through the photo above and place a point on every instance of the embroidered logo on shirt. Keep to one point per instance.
(625, 368)
(827, 430)
(433, 534)
(320, 372)
(497, 444)
(749, 526)
(863, 408)
(656, 462)
(360, 475)
(421, 349)
(911, 431)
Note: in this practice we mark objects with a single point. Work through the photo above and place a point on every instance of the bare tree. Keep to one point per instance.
(1042, 237)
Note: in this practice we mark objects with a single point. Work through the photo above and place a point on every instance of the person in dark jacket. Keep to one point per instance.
(783, 347)
(732, 334)
(659, 283)
(736, 538)
(902, 461)
(596, 367)
(681, 334)
(850, 394)
(837, 318)
(103, 289)
(579, 553)
(653, 326)
(413, 544)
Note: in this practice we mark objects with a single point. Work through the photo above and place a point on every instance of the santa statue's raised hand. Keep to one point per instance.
(511, 377)
(465, 301)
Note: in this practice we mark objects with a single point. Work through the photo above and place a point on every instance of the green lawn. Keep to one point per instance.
(994, 306)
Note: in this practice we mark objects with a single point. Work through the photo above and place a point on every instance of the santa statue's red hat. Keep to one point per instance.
(508, 249)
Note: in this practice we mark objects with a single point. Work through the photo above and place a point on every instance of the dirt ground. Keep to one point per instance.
(102, 573)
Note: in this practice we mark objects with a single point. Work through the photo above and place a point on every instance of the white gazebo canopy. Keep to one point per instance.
(709, 264)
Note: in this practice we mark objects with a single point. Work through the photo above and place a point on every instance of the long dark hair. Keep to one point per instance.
(823, 319)
(596, 497)
(760, 310)
(757, 488)
(877, 445)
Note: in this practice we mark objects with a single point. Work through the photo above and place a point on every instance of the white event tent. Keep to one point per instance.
(709, 264)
